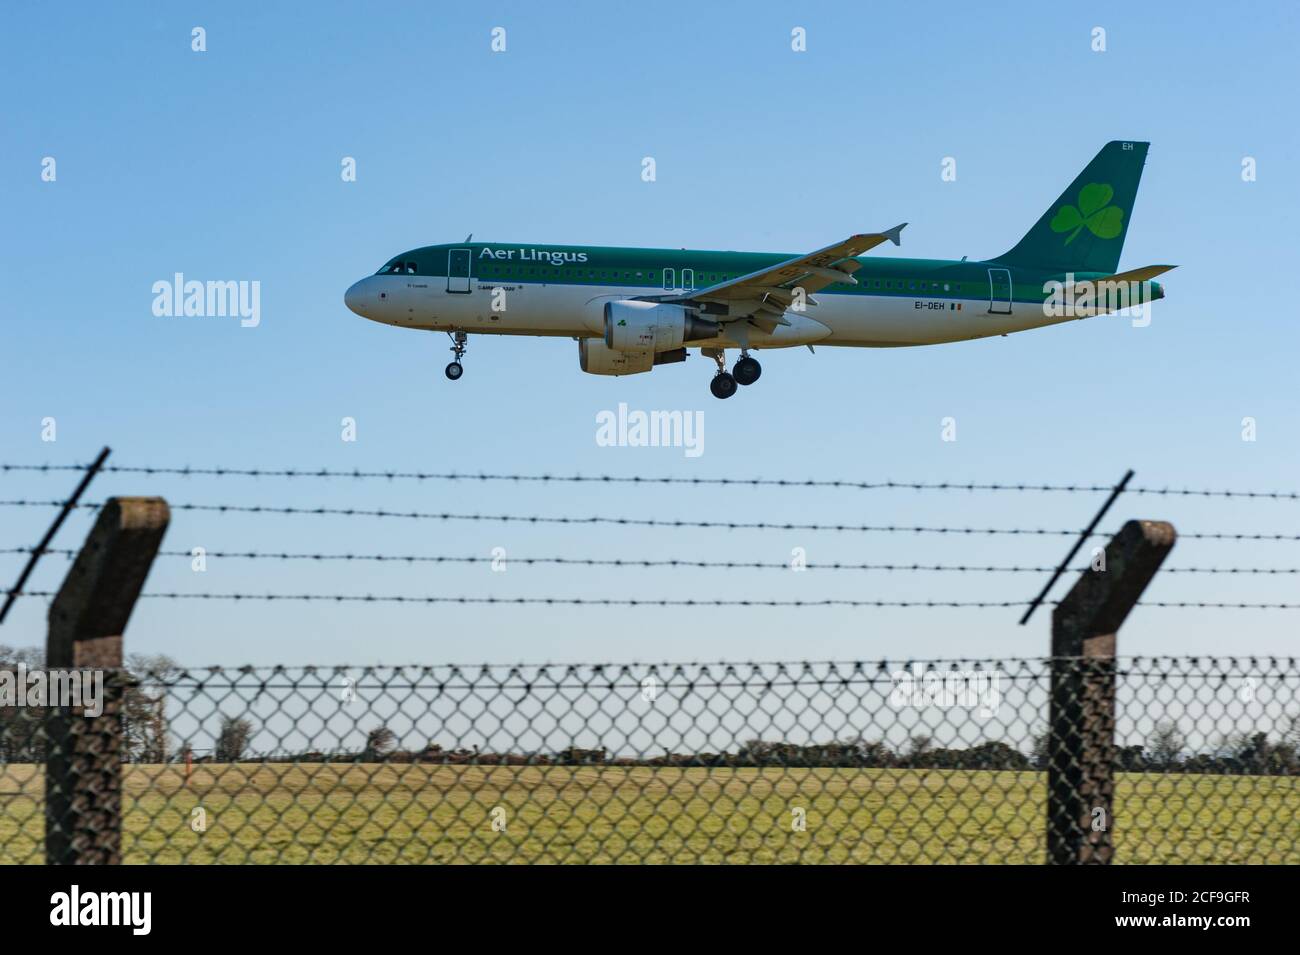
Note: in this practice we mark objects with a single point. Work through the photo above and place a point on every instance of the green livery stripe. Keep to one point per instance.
(1081, 233)
(642, 271)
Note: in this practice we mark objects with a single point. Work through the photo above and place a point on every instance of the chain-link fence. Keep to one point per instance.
(881, 762)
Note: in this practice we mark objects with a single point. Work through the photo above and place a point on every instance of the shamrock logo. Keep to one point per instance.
(1103, 220)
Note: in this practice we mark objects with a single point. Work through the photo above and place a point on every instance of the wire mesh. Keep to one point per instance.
(941, 761)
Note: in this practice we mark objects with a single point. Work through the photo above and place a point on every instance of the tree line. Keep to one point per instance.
(1165, 751)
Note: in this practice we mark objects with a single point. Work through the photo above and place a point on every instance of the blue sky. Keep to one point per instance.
(225, 165)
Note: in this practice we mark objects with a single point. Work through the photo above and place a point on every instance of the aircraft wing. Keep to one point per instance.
(811, 272)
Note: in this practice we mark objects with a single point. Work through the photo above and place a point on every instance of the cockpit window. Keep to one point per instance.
(398, 268)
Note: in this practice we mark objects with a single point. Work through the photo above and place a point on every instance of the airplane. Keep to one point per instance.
(632, 309)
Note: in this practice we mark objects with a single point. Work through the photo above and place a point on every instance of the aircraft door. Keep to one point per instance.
(458, 270)
(999, 291)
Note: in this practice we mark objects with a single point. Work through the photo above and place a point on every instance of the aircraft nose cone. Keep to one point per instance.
(354, 298)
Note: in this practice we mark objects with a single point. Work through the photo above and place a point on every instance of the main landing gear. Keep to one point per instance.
(455, 369)
(746, 371)
(723, 385)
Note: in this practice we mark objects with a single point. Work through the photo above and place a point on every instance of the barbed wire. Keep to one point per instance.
(676, 676)
(653, 522)
(697, 674)
(671, 562)
(393, 475)
(1174, 663)
(552, 519)
(832, 683)
(654, 602)
(629, 562)
(565, 601)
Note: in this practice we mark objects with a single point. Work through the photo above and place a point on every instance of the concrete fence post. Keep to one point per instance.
(1081, 722)
(83, 768)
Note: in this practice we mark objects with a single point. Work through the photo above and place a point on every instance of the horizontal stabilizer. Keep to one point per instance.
(1144, 274)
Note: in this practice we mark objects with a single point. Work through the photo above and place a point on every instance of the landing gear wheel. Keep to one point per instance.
(722, 385)
(747, 371)
(458, 340)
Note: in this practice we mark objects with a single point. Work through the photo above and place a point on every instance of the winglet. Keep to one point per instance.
(894, 234)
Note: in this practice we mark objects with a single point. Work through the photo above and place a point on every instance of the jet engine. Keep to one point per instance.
(632, 326)
(596, 359)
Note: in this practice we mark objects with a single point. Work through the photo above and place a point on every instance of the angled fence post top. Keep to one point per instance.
(1100, 601)
(83, 763)
(91, 610)
(1081, 706)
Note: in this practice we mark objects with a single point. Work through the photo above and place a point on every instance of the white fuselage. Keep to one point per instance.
(577, 311)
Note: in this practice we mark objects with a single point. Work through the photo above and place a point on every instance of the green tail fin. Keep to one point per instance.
(1084, 230)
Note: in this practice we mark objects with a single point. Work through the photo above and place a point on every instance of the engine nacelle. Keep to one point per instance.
(651, 327)
(596, 359)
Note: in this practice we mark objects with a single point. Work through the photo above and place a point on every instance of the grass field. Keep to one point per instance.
(332, 813)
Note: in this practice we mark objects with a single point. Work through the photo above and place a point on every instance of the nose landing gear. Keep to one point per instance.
(455, 369)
